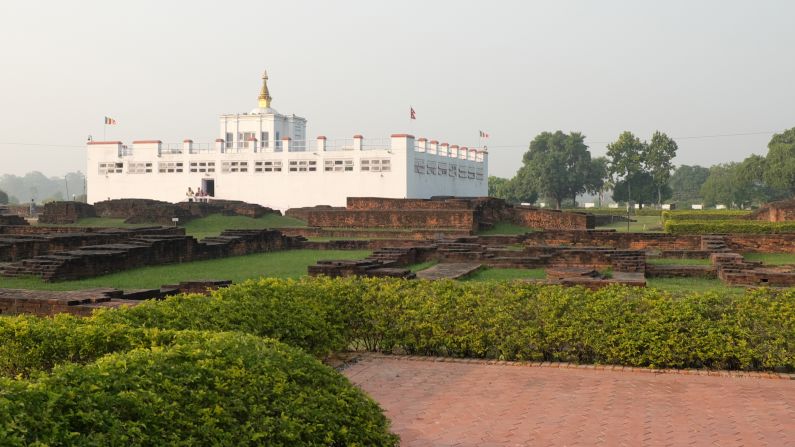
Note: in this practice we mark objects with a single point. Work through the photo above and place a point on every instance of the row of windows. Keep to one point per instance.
(333, 165)
(451, 170)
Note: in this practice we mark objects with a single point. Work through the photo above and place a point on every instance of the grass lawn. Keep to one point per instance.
(676, 261)
(688, 285)
(422, 266)
(211, 225)
(283, 264)
(771, 258)
(505, 228)
(642, 224)
(497, 274)
(214, 224)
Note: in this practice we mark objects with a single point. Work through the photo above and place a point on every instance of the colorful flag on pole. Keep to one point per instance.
(109, 120)
(483, 134)
(413, 114)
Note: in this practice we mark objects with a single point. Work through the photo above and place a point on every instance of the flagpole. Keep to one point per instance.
(104, 129)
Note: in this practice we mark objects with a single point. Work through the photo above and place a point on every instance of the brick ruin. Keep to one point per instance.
(781, 211)
(584, 257)
(9, 218)
(83, 302)
(60, 256)
(147, 211)
(468, 214)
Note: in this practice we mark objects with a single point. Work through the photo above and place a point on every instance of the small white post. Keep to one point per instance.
(321, 144)
(357, 142)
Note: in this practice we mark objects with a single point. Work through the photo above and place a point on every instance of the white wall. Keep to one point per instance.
(278, 190)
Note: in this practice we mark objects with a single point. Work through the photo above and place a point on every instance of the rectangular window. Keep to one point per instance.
(479, 174)
(111, 168)
(264, 139)
(343, 165)
(375, 165)
(462, 172)
(229, 139)
(248, 138)
(303, 165)
(452, 172)
(234, 166)
(471, 172)
(419, 166)
(169, 167)
(141, 167)
(268, 166)
(430, 167)
(441, 169)
(202, 166)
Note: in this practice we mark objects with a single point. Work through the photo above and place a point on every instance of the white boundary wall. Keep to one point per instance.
(152, 170)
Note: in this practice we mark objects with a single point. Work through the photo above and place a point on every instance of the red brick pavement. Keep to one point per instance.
(475, 404)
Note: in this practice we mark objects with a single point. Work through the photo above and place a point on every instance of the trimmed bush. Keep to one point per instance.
(617, 211)
(704, 214)
(225, 389)
(310, 317)
(727, 226)
(511, 321)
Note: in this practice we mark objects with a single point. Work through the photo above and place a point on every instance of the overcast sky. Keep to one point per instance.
(166, 70)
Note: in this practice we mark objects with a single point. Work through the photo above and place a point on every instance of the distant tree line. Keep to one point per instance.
(35, 185)
(558, 167)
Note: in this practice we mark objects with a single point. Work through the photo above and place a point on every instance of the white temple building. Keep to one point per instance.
(265, 157)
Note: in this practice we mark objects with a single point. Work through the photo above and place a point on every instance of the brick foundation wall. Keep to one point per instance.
(65, 212)
(552, 219)
(415, 235)
(612, 239)
(457, 219)
(12, 219)
(761, 243)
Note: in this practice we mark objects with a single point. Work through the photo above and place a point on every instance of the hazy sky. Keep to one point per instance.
(166, 70)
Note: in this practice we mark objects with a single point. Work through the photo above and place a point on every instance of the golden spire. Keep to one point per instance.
(264, 94)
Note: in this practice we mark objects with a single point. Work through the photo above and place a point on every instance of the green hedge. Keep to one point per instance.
(727, 226)
(225, 389)
(704, 214)
(512, 321)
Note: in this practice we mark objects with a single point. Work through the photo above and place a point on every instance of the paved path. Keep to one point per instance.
(448, 270)
(475, 404)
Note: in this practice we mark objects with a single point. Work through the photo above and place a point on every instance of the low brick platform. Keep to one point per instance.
(449, 270)
(438, 402)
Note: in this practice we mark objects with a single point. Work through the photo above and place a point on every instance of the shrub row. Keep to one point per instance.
(704, 214)
(511, 321)
(727, 226)
(200, 388)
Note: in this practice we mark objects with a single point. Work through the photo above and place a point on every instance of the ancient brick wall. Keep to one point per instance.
(65, 212)
(419, 234)
(458, 219)
(552, 219)
(12, 219)
(780, 211)
(607, 238)
(761, 243)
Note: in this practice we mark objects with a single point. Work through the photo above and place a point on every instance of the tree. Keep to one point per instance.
(558, 165)
(659, 154)
(780, 161)
(643, 189)
(625, 157)
(497, 186)
(685, 183)
(3, 197)
(727, 185)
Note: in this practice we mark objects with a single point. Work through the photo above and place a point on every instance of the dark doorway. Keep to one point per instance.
(208, 186)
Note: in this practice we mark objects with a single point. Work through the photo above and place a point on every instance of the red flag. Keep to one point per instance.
(413, 114)
(109, 120)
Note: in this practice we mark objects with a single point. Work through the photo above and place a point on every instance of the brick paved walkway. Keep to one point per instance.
(459, 404)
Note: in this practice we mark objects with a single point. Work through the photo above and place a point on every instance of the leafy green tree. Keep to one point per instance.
(643, 189)
(685, 183)
(780, 161)
(497, 186)
(558, 165)
(725, 185)
(3, 197)
(658, 161)
(625, 157)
